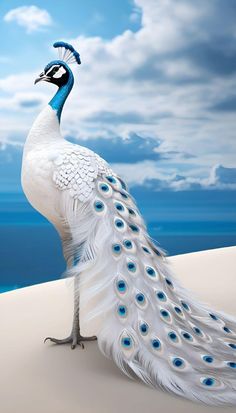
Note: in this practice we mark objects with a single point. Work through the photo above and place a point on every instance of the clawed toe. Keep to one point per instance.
(58, 341)
(73, 339)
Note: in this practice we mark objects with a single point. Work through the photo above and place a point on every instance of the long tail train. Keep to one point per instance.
(144, 319)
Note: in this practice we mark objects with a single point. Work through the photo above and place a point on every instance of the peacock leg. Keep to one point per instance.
(75, 338)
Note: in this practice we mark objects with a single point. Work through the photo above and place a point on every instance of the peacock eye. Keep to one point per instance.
(54, 70)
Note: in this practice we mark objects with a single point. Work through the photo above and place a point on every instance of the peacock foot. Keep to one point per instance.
(74, 338)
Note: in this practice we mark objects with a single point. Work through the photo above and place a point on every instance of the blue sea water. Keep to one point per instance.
(181, 222)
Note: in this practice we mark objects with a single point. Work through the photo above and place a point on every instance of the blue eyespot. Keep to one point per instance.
(116, 248)
(173, 336)
(143, 329)
(208, 359)
(125, 196)
(232, 345)
(134, 228)
(145, 249)
(165, 314)
(121, 286)
(161, 296)
(119, 206)
(187, 336)
(127, 243)
(156, 344)
(104, 187)
(126, 342)
(231, 364)
(140, 298)
(99, 206)
(169, 283)
(178, 310)
(122, 310)
(208, 381)
(131, 266)
(197, 331)
(131, 211)
(178, 362)
(111, 179)
(123, 185)
(213, 316)
(119, 223)
(150, 271)
(226, 329)
(185, 305)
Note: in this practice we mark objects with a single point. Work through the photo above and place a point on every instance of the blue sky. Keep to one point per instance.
(155, 94)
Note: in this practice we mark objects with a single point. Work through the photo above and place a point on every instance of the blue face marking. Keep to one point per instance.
(99, 206)
(127, 243)
(156, 344)
(116, 248)
(161, 296)
(178, 362)
(121, 286)
(232, 345)
(208, 381)
(58, 100)
(131, 211)
(208, 359)
(122, 310)
(126, 342)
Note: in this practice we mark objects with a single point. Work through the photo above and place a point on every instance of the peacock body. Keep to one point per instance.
(125, 294)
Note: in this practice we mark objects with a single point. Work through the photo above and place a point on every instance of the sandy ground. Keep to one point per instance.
(44, 378)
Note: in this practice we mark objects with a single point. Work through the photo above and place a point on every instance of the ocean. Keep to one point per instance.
(181, 222)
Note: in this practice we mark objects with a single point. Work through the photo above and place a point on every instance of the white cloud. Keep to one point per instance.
(160, 78)
(32, 18)
(151, 175)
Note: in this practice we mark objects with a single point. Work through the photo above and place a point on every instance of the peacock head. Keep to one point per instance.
(58, 72)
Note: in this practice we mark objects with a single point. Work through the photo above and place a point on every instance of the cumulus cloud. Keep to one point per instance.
(150, 175)
(32, 18)
(168, 84)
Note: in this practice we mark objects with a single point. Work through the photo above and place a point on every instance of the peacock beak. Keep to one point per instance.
(41, 77)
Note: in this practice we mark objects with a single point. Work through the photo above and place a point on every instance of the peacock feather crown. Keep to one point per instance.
(67, 53)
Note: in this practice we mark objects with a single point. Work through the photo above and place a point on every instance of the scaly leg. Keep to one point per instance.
(75, 337)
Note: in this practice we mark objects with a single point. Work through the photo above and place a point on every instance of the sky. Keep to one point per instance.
(154, 95)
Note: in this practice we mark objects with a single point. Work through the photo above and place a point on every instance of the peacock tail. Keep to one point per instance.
(144, 319)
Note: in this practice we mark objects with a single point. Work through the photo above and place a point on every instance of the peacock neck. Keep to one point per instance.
(58, 100)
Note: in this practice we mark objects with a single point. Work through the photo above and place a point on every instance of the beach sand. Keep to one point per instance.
(45, 378)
